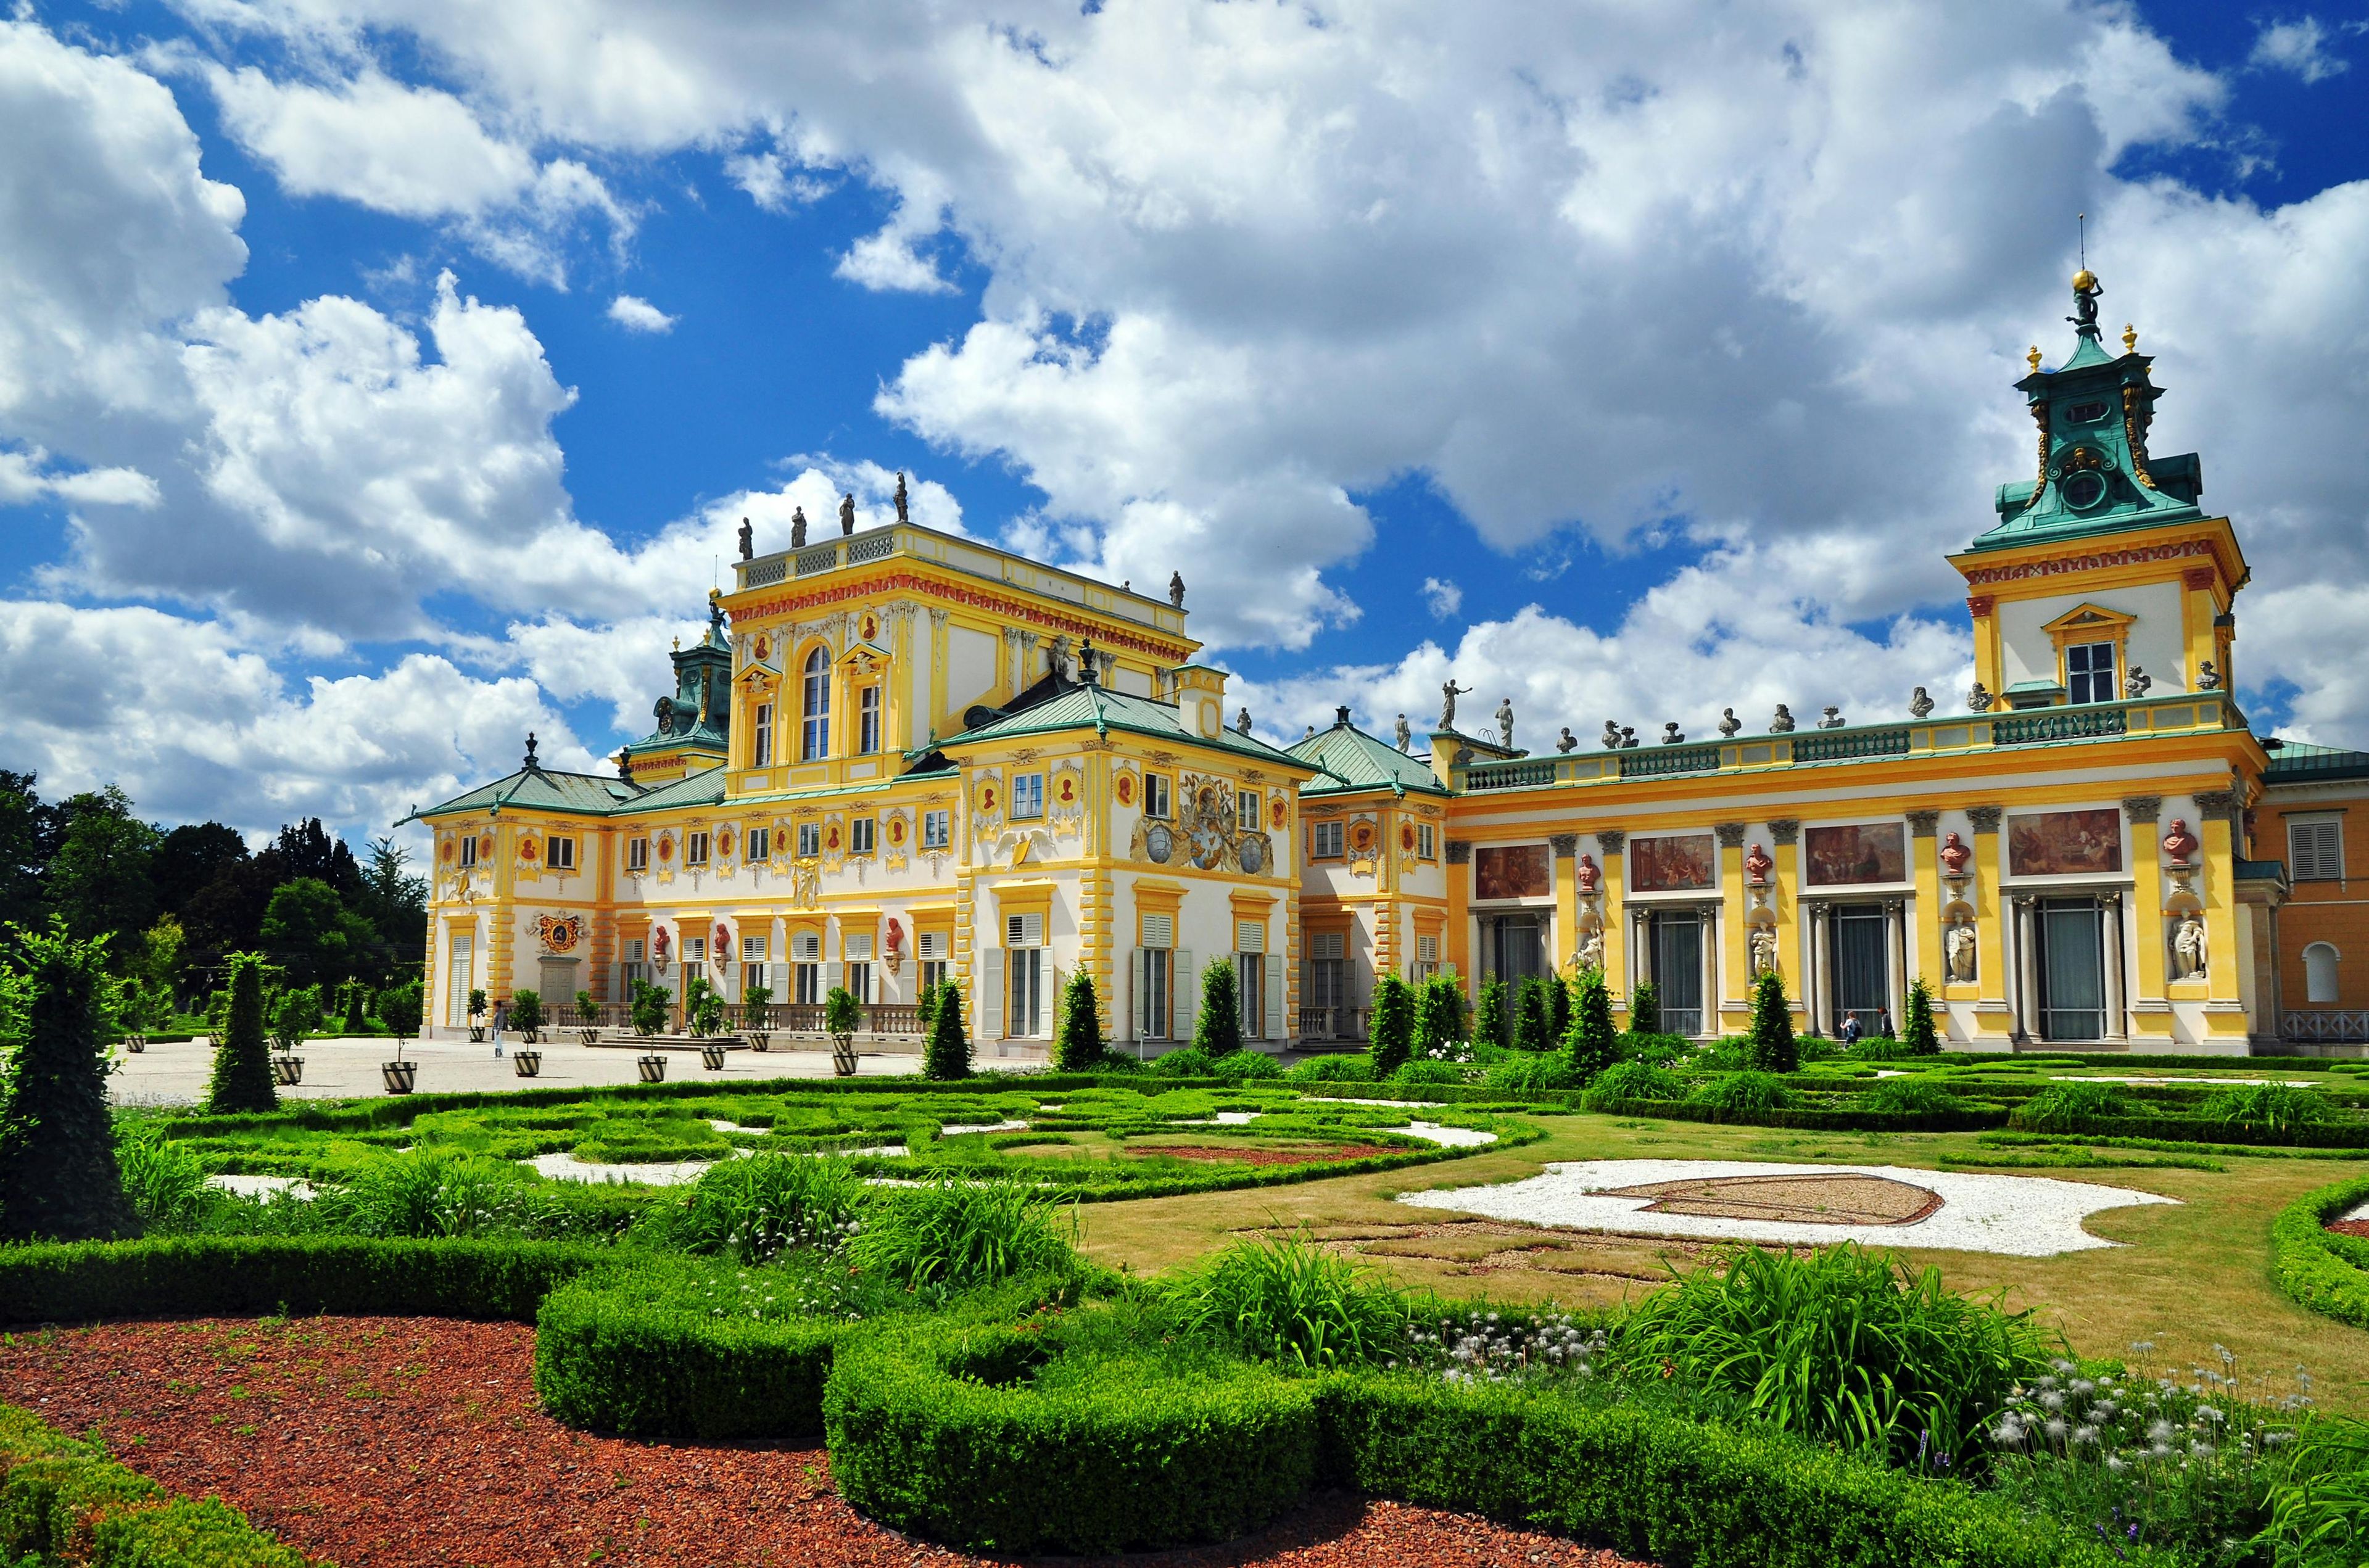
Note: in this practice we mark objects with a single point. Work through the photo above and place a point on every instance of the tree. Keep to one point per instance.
(396, 903)
(1920, 1037)
(526, 1011)
(398, 1008)
(1590, 1040)
(191, 858)
(306, 849)
(242, 1077)
(58, 1175)
(1773, 1047)
(1078, 1040)
(310, 932)
(1645, 1009)
(841, 1016)
(1390, 1035)
(1531, 1010)
(647, 1007)
(1490, 1023)
(1439, 1013)
(1558, 1009)
(99, 880)
(1219, 1030)
(295, 1015)
(28, 838)
(947, 1053)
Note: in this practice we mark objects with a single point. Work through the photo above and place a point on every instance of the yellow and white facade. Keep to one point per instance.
(900, 755)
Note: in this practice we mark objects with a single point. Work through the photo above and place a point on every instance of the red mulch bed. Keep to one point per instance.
(1285, 1156)
(395, 1442)
(2347, 1227)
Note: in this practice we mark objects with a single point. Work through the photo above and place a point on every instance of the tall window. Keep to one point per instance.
(752, 963)
(2089, 672)
(1324, 840)
(469, 850)
(932, 947)
(637, 854)
(2315, 849)
(815, 740)
(1246, 809)
(937, 831)
(856, 948)
(1249, 967)
(761, 752)
(805, 967)
(1325, 962)
(2319, 984)
(1156, 984)
(1028, 794)
(867, 726)
(1023, 939)
(1155, 796)
(1426, 842)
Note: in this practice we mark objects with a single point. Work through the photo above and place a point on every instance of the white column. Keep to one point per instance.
(1894, 988)
(1708, 1022)
(2110, 906)
(1821, 968)
(2027, 975)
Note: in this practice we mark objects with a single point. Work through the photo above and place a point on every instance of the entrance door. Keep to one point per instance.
(460, 974)
(2072, 969)
(558, 986)
(1862, 990)
(1679, 970)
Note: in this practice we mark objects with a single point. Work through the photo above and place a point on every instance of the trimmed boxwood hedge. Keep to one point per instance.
(948, 1434)
(1803, 1117)
(2200, 1129)
(64, 1501)
(2325, 1272)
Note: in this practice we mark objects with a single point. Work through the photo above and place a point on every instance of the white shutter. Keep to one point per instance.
(1160, 931)
(1325, 945)
(1249, 937)
(933, 944)
(1184, 999)
(1024, 930)
(1274, 1030)
(858, 947)
(806, 946)
(2315, 851)
(838, 974)
(1138, 994)
(991, 995)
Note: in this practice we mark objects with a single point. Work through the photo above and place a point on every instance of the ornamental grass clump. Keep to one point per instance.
(1746, 1091)
(1908, 1097)
(755, 1209)
(1351, 1067)
(2062, 1108)
(2320, 1500)
(2270, 1108)
(1235, 1066)
(954, 1233)
(165, 1182)
(1843, 1347)
(1287, 1299)
(2180, 1463)
(1632, 1081)
(1521, 1073)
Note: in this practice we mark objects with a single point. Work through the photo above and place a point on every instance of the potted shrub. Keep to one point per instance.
(478, 1017)
(757, 1015)
(398, 1008)
(703, 1010)
(653, 1067)
(527, 1062)
(587, 1017)
(526, 1014)
(711, 1055)
(842, 1015)
(649, 1008)
(295, 1013)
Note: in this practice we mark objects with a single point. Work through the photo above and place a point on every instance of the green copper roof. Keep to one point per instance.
(2299, 761)
(1354, 760)
(1099, 707)
(541, 789)
(2092, 473)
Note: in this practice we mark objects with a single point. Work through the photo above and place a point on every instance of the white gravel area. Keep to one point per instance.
(1449, 1136)
(953, 1132)
(260, 1186)
(2025, 1216)
(651, 1172)
(2358, 1211)
(2175, 1082)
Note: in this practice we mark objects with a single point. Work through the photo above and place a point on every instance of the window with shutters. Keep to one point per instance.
(1327, 965)
(859, 980)
(1249, 980)
(694, 950)
(1160, 931)
(752, 950)
(1249, 937)
(931, 948)
(1426, 957)
(1024, 1018)
(2315, 849)
(1324, 840)
(1023, 929)
(805, 969)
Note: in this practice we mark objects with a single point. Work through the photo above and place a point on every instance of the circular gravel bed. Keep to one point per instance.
(411, 1442)
(2029, 1216)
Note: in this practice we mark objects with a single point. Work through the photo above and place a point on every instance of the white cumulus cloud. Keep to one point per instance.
(638, 314)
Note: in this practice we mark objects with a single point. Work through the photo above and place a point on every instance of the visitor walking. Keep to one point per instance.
(1850, 1029)
(501, 1022)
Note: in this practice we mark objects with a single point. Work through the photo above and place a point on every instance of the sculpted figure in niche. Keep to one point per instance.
(1959, 946)
(1762, 943)
(1591, 951)
(2179, 843)
(2188, 949)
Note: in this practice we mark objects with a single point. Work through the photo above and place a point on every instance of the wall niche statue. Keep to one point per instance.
(1762, 946)
(1591, 951)
(2188, 953)
(1959, 947)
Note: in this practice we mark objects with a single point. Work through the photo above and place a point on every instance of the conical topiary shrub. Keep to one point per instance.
(948, 1053)
(1920, 1038)
(1217, 1031)
(1773, 1047)
(1591, 1042)
(1078, 1042)
(1531, 1013)
(1645, 1009)
(1558, 1009)
(1439, 1013)
(58, 1176)
(242, 1079)
(1489, 1020)
(1390, 1036)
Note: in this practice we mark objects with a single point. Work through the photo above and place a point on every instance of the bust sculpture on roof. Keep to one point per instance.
(1728, 723)
(1979, 698)
(1566, 740)
(1782, 723)
(1920, 703)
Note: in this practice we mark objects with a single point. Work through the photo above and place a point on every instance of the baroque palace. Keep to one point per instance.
(899, 756)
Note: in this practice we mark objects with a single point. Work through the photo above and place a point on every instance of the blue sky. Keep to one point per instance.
(1631, 369)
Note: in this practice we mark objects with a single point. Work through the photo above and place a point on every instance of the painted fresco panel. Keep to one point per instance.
(1861, 851)
(1673, 864)
(1512, 871)
(2065, 844)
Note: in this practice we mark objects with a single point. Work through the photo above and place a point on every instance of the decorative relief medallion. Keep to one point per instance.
(560, 934)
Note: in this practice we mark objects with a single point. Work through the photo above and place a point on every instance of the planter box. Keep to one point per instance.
(759, 1040)
(842, 1055)
(588, 1035)
(135, 1044)
(653, 1069)
(712, 1057)
(399, 1076)
(476, 1034)
(527, 1064)
(287, 1070)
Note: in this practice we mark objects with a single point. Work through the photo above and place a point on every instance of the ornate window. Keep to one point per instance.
(2089, 672)
(760, 750)
(695, 849)
(867, 726)
(559, 854)
(815, 743)
(937, 829)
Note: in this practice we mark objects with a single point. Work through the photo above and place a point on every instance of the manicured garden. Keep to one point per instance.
(1106, 1307)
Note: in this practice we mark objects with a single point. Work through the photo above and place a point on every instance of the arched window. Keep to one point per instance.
(816, 738)
(2319, 972)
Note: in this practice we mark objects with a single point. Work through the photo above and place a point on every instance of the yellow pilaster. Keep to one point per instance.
(1926, 846)
(2224, 1017)
(1988, 895)
(1609, 845)
(2150, 1015)
(1460, 897)
(1566, 887)
(1784, 877)
(1987, 642)
(497, 968)
(1737, 1016)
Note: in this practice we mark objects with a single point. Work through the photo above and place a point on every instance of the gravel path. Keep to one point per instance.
(2026, 1217)
(412, 1442)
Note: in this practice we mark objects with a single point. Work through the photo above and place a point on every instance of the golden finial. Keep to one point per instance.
(2130, 338)
(2033, 358)
(678, 645)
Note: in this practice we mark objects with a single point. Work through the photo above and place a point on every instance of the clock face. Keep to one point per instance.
(2084, 490)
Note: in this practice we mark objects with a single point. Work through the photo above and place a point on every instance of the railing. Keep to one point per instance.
(821, 559)
(764, 574)
(1658, 761)
(1841, 744)
(781, 1017)
(1333, 1023)
(871, 547)
(2059, 724)
(2349, 1027)
(1509, 775)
